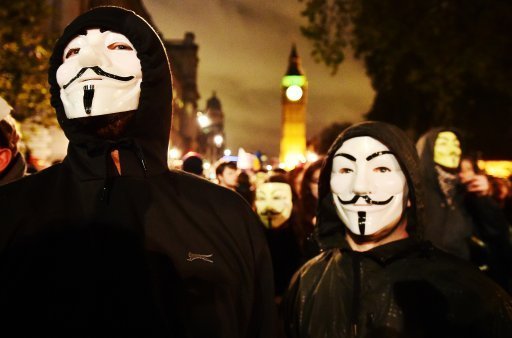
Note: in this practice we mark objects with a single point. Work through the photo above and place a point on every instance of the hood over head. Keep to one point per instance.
(425, 149)
(146, 137)
(330, 230)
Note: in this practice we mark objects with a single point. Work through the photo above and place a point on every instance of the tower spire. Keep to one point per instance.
(294, 62)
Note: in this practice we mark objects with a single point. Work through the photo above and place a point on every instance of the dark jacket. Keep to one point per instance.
(405, 288)
(153, 252)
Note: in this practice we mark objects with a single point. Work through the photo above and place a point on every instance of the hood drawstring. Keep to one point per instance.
(107, 150)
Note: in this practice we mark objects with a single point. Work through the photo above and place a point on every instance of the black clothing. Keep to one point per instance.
(402, 289)
(85, 251)
(405, 288)
(285, 253)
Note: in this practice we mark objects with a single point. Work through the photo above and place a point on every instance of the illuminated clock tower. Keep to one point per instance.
(293, 113)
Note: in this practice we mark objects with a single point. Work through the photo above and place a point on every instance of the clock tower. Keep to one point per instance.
(293, 113)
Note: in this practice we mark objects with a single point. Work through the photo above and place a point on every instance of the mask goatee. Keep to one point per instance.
(362, 221)
(88, 96)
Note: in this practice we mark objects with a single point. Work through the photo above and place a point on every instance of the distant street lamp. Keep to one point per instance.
(203, 120)
(174, 153)
(218, 140)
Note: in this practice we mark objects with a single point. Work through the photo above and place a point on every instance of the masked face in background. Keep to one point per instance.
(100, 74)
(274, 203)
(447, 150)
(368, 186)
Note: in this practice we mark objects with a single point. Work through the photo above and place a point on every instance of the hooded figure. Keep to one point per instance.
(450, 226)
(110, 242)
(375, 276)
(464, 222)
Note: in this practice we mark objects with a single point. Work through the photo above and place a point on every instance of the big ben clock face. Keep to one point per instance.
(294, 93)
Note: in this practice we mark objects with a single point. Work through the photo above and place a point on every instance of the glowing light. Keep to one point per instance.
(206, 165)
(293, 80)
(311, 156)
(218, 140)
(502, 169)
(227, 152)
(203, 120)
(268, 167)
(174, 153)
(294, 93)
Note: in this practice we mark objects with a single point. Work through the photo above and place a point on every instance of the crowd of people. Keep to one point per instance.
(380, 237)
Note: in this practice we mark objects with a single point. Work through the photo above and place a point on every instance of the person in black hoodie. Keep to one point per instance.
(375, 276)
(464, 219)
(110, 242)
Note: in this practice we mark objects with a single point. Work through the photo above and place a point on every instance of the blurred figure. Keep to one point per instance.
(450, 226)
(463, 219)
(12, 163)
(502, 193)
(294, 177)
(227, 174)
(308, 202)
(245, 187)
(492, 249)
(274, 206)
(193, 163)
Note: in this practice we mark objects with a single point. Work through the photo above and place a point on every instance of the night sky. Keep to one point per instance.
(243, 53)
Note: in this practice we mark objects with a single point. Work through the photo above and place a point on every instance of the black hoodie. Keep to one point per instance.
(405, 288)
(153, 252)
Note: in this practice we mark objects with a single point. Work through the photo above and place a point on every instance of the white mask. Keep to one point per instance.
(274, 203)
(369, 188)
(112, 87)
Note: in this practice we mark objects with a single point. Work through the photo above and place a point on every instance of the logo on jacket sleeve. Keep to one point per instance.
(193, 256)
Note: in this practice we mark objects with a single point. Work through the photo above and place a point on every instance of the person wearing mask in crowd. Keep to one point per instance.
(274, 206)
(456, 204)
(110, 242)
(12, 163)
(375, 276)
(227, 174)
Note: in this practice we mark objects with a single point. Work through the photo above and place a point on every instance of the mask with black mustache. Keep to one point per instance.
(90, 75)
(274, 203)
(368, 186)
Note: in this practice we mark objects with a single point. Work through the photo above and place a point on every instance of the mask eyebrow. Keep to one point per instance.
(347, 156)
(384, 152)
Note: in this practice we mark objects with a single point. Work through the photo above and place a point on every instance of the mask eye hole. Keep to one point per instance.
(119, 46)
(345, 171)
(72, 52)
(382, 170)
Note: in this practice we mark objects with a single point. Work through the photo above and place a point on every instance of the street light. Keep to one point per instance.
(218, 140)
(203, 120)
